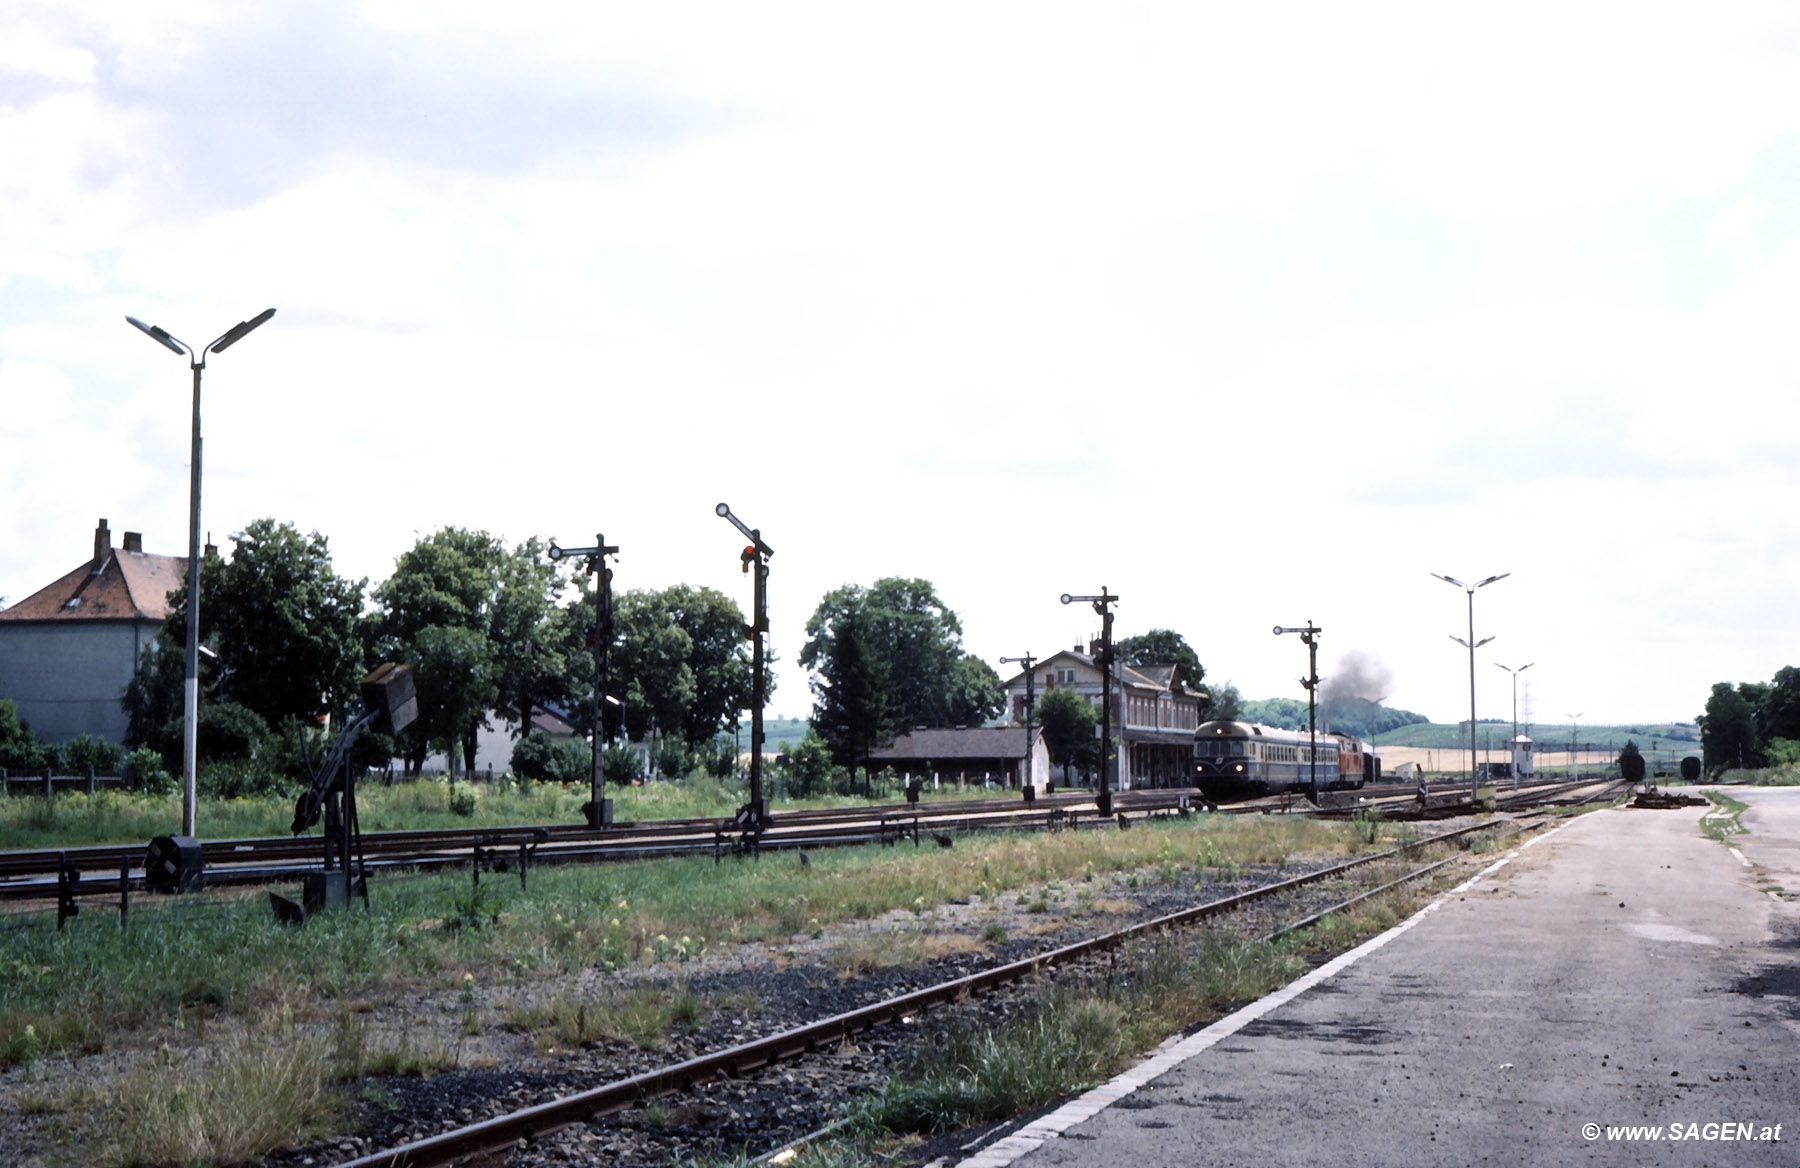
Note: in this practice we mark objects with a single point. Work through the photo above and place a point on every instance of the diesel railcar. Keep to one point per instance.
(1235, 760)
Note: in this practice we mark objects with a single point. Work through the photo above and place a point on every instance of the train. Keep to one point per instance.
(1236, 760)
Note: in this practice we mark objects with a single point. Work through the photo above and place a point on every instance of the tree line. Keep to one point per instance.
(1752, 724)
(484, 627)
(495, 631)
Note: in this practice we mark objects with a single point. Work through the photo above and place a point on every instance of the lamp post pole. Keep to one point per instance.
(1027, 777)
(1515, 742)
(190, 698)
(1310, 635)
(1471, 644)
(755, 559)
(1104, 659)
(1575, 745)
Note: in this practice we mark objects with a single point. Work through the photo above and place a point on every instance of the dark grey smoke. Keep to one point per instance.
(1358, 675)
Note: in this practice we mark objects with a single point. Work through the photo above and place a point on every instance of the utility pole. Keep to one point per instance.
(1104, 659)
(1027, 778)
(755, 815)
(603, 634)
(1310, 637)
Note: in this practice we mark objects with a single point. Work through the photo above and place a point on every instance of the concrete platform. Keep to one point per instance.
(1622, 970)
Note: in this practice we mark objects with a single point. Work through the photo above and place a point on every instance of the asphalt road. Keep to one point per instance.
(1623, 970)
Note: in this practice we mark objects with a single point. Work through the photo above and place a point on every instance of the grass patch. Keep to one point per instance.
(643, 1015)
(227, 1107)
(862, 955)
(1723, 820)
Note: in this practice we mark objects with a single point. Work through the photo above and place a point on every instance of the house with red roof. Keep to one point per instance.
(68, 651)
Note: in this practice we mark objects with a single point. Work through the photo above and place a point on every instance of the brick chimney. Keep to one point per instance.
(102, 546)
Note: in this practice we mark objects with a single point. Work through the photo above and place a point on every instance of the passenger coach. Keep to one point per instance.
(1235, 760)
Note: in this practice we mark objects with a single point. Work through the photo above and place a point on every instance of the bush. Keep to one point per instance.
(621, 765)
(719, 758)
(807, 769)
(20, 749)
(552, 760)
(227, 731)
(85, 751)
(673, 758)
(144, 769)
(242, 778)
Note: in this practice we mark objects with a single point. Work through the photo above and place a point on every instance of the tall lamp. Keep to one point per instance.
(190, 698)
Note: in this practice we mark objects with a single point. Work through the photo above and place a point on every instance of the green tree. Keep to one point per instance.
(437, 610)
(1779, 713)
(454, 673)
(907, 664)
(1728, 732)
(20, 749)
(854, 707)
(1069, 721)
(1226, 703)
(1164, 647)
(718, 659)
(537, 646)
(283, 623)
(650, 667)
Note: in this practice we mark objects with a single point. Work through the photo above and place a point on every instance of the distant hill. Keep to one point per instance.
(1356, 716)
(1663, 737)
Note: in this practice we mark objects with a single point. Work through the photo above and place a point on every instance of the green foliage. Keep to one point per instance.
(621, 765)
(144, 769)
(242, 778)
(674, 759)
(462, 800)
(888, 657)
(20, 749)
(1164, 647)
(552, 760)
(1226, 704)
(228, 730)
(1783, 752)
(807, 769)
(284, 624)
(1069, 721)
(1729, 735)
(84, 752)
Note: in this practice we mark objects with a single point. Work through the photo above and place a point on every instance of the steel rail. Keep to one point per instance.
(503, 1131)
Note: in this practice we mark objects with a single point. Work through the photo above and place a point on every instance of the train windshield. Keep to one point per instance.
(1219, 747)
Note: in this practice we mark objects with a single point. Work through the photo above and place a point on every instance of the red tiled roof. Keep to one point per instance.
(129, 586)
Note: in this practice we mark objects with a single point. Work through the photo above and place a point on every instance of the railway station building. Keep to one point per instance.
(977, 754)
(1154, 716)
(68, 650)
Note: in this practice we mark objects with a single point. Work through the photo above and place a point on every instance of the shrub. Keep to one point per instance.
(241, 778)
(622, 765)
(144, 769)
(228, 730)
(20, 749)
(85, 751)
(552, 760)
(673, 758)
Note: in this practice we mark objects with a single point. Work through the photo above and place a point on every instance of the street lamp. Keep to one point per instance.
(755, 558)
(1104, 659)
(1575, 745)
(1310, 636)
(1028, 661)
(1471, 644)
(1515, 742)
(190, 708)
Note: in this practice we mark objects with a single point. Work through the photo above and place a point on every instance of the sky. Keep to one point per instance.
(1254, 315)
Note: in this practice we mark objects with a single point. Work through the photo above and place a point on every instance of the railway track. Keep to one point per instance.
(26, 875)
(32, 875)
(486, 1140)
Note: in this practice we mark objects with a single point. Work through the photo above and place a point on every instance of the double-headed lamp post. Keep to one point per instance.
(1471, 644)
(1515, 738)
(190, 710)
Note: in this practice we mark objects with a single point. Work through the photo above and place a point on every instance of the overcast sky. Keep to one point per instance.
(1254, 314)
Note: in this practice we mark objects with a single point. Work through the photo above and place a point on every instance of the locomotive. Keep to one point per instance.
(1235, 760)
